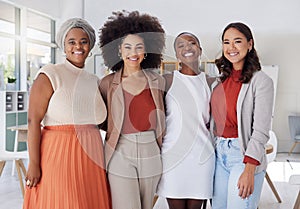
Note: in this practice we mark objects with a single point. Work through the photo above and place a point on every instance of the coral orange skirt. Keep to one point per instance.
(73, 175)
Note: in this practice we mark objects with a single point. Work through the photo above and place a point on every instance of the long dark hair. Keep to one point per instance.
(251, 64)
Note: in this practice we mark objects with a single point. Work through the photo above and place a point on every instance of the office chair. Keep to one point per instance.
(294, 125)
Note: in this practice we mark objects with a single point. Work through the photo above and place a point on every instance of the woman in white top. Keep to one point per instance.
(187, 150)
(66, 167)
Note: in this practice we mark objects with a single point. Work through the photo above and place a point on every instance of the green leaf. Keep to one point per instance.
(11, 80)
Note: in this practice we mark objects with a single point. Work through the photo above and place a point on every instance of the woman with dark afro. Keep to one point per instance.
(132, 45)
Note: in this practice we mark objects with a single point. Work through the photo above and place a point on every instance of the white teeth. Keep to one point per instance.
(189, 54)
(78, 52)
(233, 54)
(133, 59)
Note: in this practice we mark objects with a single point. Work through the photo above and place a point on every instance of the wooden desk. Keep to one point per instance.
(17, 156)
(21, 136)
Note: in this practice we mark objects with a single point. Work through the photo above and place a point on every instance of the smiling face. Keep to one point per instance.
(187, 49)
(132, 50)
(77, 46)
(236, 47)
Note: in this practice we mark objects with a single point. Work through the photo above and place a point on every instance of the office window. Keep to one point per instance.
(7, 18)
(37, 57)
(7, 61)
(7, 42)
(38, 27)
(38, 45)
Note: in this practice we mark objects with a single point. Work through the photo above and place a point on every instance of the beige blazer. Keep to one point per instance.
(111, 91)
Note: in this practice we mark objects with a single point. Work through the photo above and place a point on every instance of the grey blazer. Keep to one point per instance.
(254, 115)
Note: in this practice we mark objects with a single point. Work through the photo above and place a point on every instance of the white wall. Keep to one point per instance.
(276, 28)
(275, 24)
(51, 8)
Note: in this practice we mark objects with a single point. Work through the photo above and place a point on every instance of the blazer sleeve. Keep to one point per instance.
(263, 94)
(103, 86)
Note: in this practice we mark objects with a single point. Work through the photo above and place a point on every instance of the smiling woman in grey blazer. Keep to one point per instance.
(242, 110)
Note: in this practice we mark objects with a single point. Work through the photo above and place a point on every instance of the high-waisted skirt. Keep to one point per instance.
(73, 174)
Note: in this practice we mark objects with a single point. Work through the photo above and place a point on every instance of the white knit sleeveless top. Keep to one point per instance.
(76, 98)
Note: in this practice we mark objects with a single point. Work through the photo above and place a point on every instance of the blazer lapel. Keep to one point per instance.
(117, 104)
(153, 85)
(241, 97)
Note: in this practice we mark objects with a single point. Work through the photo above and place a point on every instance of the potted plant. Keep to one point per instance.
(11, 83)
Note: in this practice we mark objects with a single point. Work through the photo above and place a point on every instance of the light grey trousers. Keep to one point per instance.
(134, 171)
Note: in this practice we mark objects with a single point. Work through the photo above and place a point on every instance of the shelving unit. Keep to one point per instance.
(208, 67)
(168, 66)
(13, 107)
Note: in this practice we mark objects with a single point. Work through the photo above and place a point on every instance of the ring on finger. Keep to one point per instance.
(28, 182)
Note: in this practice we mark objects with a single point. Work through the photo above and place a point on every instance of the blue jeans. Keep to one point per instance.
(229, 167)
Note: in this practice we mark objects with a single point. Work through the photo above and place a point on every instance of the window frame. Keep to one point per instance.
(20, 38)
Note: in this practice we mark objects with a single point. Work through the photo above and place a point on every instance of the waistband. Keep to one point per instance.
(140, 137)
(70, 127)
(219, 139)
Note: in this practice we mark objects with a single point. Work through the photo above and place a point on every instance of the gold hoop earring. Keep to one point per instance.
(120, 55)
(90, 54)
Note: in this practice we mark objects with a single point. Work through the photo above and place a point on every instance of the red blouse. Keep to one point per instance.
(223, 101)
(140, 114)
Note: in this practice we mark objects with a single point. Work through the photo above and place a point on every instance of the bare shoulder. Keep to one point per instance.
(42, 80)
(42, 85)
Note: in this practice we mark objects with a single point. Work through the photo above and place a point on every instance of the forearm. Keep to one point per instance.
(250, 168)
(34, 141)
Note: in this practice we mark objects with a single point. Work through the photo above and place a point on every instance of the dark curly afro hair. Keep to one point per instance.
(123, 23)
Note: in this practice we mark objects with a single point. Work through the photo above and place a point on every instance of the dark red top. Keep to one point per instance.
(223, 101)
(140, 114)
